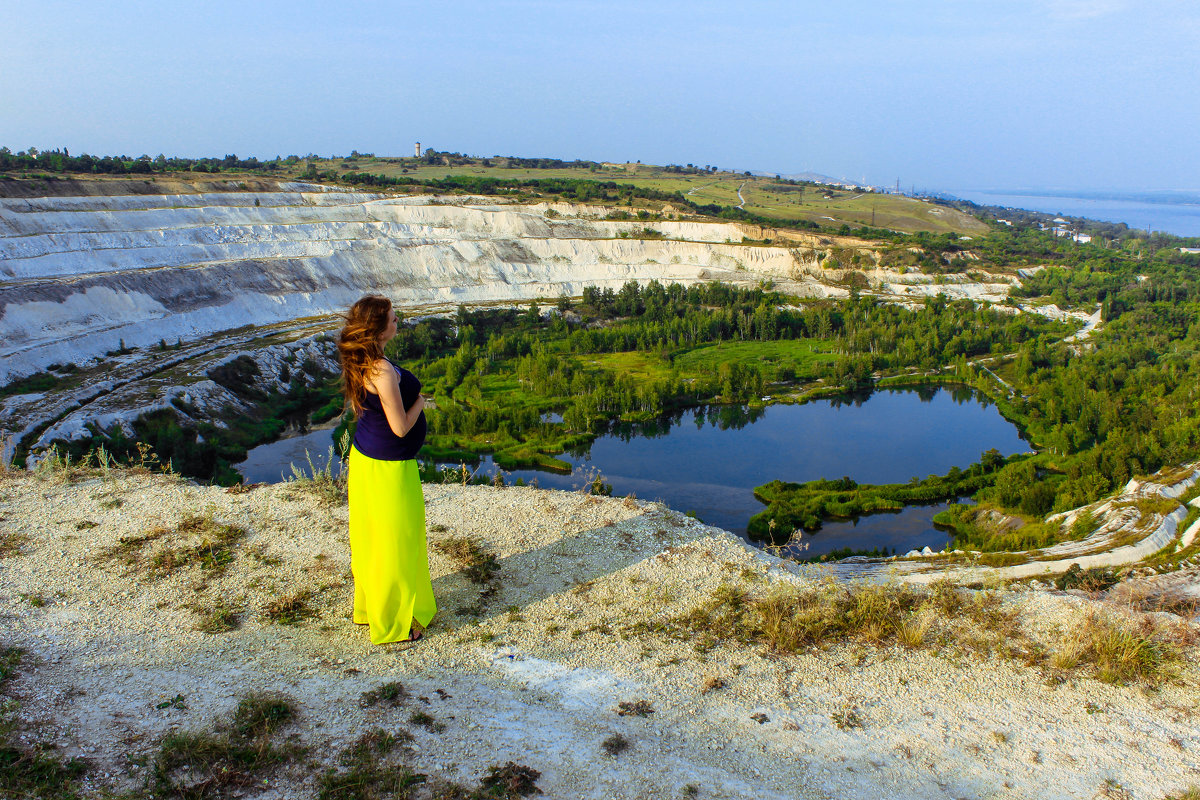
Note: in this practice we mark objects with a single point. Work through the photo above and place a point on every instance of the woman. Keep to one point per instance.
(388, 558)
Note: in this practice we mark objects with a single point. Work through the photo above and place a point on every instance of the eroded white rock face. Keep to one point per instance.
(80, 274)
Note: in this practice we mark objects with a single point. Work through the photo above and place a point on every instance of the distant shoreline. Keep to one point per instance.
(1177, 213)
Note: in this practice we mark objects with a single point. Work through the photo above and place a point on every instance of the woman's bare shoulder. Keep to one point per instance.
(380, 371)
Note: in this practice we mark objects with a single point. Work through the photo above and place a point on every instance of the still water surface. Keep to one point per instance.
(708, 461)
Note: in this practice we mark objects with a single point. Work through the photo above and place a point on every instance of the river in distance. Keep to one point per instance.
(708, 461)
(1180, 216)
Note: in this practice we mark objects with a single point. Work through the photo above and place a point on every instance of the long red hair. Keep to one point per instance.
(358, 345)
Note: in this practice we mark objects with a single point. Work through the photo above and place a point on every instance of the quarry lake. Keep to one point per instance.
(709, 460)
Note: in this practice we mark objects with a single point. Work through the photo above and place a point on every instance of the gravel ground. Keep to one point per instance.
(534, 670)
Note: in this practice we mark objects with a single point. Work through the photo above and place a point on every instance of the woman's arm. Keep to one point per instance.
(386, 384)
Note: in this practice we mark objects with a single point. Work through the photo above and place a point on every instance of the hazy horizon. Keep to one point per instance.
(1085, 94)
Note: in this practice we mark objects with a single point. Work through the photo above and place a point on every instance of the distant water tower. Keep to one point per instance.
(418, 150)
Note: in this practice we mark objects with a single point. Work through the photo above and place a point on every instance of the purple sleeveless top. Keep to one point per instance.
(373, 436)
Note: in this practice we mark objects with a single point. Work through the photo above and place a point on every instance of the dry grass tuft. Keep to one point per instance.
(789, 620)
(1123, 649)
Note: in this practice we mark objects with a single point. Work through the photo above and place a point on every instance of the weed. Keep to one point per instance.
(1000, 737)
(426, 721)
(219, 617)
(178, 701)
(1190, 793)
(711, 684)
(691, 790)
(365, 777)
(468, 553)
(326, 484)
(615, 745)
(509, 781)
(87, 524)
(290, 609)
(392, 694)
(636, 708)
(11, 543)
(259, 553)
(36, 600)
(847, 718)
(234, 754)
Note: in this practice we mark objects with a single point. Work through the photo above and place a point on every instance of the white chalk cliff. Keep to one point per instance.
(80, 274)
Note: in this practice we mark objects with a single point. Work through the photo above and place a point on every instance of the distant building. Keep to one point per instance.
(417, 149)
(1083, 238)
(1004, 222)
(1189, 250)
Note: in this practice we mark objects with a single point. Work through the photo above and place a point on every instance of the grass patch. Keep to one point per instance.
(1135, 649)
(30, 770)
(847, 718)
(31, 384)
(1118, 649)
(615, 745)
(11, 543)
(469, 555)
(364, 775)
(210, 546)
(795, 506)
(509, 781)
(391, 694)
(426, 721)
(234, 754)
(219, 617)
(290, 609)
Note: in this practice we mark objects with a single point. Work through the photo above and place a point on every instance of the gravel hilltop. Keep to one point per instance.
(537, 676)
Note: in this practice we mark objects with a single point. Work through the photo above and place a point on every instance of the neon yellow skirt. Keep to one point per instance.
(388, 555)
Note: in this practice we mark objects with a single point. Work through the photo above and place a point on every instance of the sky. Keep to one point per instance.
(940, 94)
